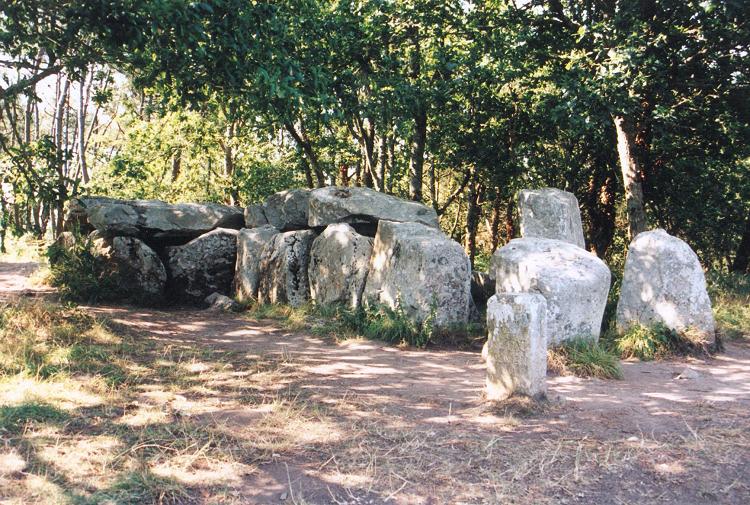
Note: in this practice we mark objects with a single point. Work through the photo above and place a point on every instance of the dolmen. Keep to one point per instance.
(332, 245)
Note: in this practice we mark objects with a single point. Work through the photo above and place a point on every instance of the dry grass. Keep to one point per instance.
(188, 425)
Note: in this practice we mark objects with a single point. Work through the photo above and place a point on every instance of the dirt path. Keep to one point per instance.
(653, 437)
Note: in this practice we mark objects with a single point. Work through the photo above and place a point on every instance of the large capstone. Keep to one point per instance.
(516, 349)
(419, 269)
(339, 261)
(287, 210)
(202, 266)
(664, 283)
(154, 220)
(283, 268)
(574, 282)
(364, 206)
(250, 244)
(136, 270)
(550, 213)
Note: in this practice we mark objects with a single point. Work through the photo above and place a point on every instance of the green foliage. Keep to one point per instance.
(79, 276)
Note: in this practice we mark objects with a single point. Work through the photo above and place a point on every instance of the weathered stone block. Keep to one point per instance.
(574, 282)
(283, 268)
(550, 213)
(255, 216)
(250, 244)
(664, 283)
(202, 266)
(287, 210)
(364, 205)
(418, 268)
(516, 351)
(140, 274)
(339, 261)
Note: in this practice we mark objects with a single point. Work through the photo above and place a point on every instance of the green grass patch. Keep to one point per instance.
(730, 297)
(141, 487)
(657, 342)
(14, 417)
(584, 358)
(373, 322)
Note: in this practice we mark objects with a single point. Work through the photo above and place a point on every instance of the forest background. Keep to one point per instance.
(640, 108)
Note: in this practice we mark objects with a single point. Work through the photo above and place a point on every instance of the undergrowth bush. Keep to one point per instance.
(584, 358)
(658, 342)
(730, 298)
(77, 274)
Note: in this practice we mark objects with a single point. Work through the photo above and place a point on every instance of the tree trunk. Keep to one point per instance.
(631, 176)
(82, 129)
(742, 258)
(510, 227)
(306, 146)
(416, 163)
(472, 216)
(176, 164)
(600, 209)
(495, 227)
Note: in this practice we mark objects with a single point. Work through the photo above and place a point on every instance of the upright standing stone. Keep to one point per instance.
(250, 244)
(664, 283)
(139, 273)
(203, 266)
(339, 261)
(419, 269)
(550, 213)
(283, 268)
(516, 352)
(574, 282)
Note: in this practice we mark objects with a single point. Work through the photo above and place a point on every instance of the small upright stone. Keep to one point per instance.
(550, 213)
(283, 268)
(339, 261)
(516, 350)
(250, 244)
(664, 283)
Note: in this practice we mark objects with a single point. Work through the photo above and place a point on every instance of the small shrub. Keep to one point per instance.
(78, 275)
(584, 358)
(657, 342)
(730, 297)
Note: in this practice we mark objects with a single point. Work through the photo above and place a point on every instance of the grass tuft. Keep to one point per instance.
(14, 417)
(584, 358)
(658, 342)
(730, 297)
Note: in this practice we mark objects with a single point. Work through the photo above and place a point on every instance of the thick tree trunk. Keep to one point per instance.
(495, 227)
(742, 258)
(176, 164)
(631, 176)
(510, 226)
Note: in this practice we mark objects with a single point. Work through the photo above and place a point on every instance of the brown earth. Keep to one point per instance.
(387, 425)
